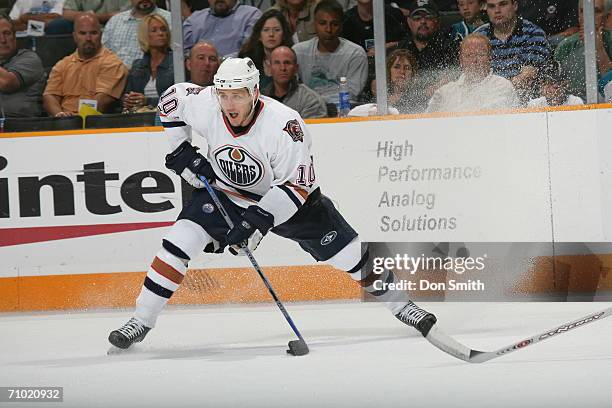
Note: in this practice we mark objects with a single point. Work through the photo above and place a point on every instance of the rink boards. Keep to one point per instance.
(82, 213)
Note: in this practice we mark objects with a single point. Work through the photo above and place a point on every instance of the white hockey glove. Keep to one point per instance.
(255, 223)
(189, 164)
(191, 178)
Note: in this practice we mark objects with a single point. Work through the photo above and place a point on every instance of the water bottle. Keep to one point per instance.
(344, 105)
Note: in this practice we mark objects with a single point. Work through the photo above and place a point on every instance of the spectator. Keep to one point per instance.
(151, 75)
(558, 18)
(226, 24)
(436, 53)
(121, 32)
(46, 11)
(520, 48)
(554, 90)
(22, 76)
(285, 88)
(570, 52)
(91, 73)
(203, 63)
(300, 16)
(270, 31)
(103, 9)
(471, 11)
(477, 88)
(358, 26)
(403, 92)
(327, 57)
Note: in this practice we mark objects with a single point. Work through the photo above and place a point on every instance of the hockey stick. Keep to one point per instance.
(296, 347)
(458, 350)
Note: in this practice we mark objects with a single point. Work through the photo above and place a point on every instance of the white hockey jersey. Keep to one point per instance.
(268, 164)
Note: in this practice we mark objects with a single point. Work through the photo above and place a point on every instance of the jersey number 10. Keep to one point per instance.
(301, 179)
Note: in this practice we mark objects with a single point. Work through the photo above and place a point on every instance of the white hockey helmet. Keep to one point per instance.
(236, 73)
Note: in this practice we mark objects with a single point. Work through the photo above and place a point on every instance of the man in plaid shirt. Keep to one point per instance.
(121, 32)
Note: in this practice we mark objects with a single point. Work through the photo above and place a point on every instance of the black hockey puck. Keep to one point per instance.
(297, 348)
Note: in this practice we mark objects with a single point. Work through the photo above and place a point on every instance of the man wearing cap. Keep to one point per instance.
(435, 51)
(520, 48)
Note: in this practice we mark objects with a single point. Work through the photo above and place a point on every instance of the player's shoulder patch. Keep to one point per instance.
(194, 90)
(294, 130)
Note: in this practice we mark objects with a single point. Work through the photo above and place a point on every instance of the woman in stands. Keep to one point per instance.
(269, 32)
(151, 75)
(403, 91)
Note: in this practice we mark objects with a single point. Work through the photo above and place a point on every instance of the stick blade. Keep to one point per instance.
(450, 346)
(297, 348)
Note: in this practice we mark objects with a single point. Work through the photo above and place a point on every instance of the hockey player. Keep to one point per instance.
(256, 154)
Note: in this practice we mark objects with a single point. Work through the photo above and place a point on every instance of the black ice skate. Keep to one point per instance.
(131, 332)
(416, 317)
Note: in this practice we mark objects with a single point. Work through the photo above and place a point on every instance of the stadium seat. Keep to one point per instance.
(41, 124)
(120, 120)
(52, 48)
(24, 43)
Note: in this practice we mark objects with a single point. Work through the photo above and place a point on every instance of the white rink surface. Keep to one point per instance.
(234, 356)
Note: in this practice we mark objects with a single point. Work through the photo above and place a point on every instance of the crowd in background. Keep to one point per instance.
(488, 54)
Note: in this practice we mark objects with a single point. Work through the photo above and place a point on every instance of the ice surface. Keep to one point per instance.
(234, 356)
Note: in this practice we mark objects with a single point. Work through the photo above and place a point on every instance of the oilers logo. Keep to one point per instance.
(239, 166)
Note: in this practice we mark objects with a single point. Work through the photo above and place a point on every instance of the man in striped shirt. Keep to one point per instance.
(520, 48)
